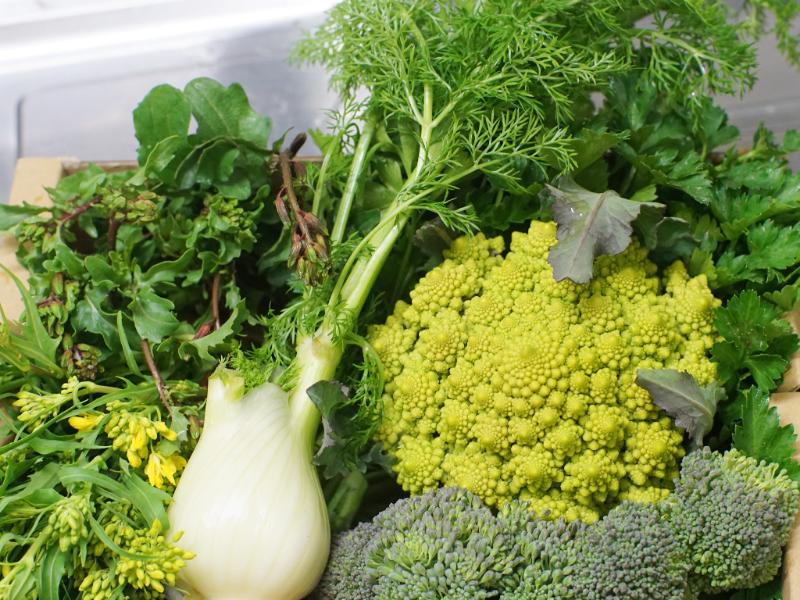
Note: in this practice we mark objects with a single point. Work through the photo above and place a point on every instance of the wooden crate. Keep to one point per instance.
(33, 175)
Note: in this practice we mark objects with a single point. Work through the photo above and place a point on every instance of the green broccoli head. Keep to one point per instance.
(733, 514)
(545, 551)
(443, 544)
(632, 553)
(346, 575)
(505, 382)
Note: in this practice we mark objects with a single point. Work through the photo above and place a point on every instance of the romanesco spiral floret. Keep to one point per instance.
(652, 451)
(526, 387)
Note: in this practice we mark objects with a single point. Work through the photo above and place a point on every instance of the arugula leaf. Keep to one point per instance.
(761, 435)
(589, 224)
(692, 407)
(202, 346)
(90, 316)
(11, 214)
(165, 112)
(225, 112)
(153, 316)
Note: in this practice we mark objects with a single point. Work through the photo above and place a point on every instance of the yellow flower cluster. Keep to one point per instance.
(152, 563)
(133, 433)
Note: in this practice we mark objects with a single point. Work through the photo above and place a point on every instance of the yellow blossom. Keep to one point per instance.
(132, 433)
(84, 423)
(161, 467)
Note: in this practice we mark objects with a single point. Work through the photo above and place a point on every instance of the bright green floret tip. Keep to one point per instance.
(507, 383)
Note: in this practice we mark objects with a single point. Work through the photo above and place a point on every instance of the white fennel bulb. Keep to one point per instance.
(249, 503)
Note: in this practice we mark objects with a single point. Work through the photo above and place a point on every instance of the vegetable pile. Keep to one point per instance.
(227, 353)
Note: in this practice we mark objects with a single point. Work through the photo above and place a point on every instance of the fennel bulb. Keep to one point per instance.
(249, 502)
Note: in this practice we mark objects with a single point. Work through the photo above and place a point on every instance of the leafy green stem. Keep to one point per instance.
(353, 181)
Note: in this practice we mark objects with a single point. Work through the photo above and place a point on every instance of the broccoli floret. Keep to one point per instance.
(546, 553)
(632, 554)
(505, 382)
(444, 544)
(733, 514)
(346, 576)
(721, 529)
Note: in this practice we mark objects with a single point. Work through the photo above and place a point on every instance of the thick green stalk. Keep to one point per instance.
(353, 181)
(318, 355)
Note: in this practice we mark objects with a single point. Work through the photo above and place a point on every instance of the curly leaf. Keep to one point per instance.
(760, 434)
(756, 341)
(691, 406)
(589, 224)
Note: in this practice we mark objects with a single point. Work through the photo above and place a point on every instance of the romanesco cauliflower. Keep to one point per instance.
(510, 384)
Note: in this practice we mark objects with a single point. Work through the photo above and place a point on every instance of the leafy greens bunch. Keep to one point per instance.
(138, 281)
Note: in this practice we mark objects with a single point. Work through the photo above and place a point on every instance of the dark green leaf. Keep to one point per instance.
(691, 406)
(591, 145)
(222, 111)
(336, 453)
(768, 591)
(90, 316)
(791, 142)
(767, 369)
(787, 298)
(773, 246)
(105, 273)
(760, 433)
(168, 270)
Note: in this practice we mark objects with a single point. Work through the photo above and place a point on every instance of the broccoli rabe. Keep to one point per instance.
(507, 383)
(721, 529)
